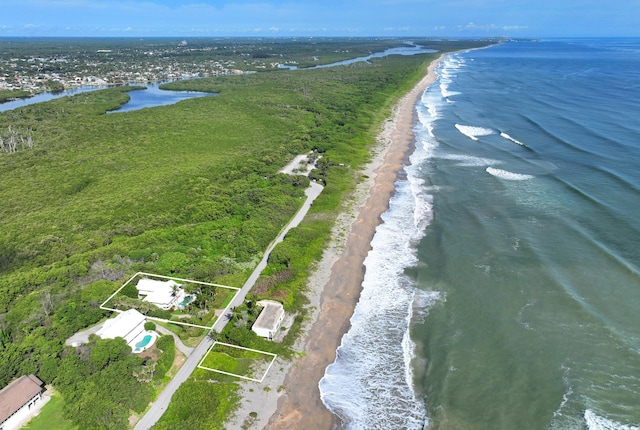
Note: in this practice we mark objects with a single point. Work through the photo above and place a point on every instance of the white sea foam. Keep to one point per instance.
(367, 384)
(446, 73)
(469, 160)
(426, 113)
(432, 111)
(423, 207)
(446, 93)
(444, 90)
(520, 317)
(409, 350)
(428, 109)
(509, 176)
(506, 136)
(568, 392)
(370, 384)
(453, 62)
(596, 422)
(473, 132)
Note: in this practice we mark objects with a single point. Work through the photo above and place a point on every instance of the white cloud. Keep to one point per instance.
(490, 27)
(515, 27)
(397, 29)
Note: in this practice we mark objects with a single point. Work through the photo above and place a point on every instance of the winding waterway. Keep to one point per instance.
(151, 97)
(154, 96)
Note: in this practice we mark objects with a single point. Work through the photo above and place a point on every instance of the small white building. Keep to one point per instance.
(163, 294)
(269, 320)
(128, 325)
(18, 400)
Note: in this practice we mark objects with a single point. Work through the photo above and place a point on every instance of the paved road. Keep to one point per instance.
(181, 346)
(82, 337)
(312, 193)
(162, 403)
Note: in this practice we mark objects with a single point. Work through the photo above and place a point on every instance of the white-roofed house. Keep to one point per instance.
(163, 294)
(128, 325)
(269, 320)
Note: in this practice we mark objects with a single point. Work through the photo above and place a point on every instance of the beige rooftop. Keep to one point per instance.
(17, 394)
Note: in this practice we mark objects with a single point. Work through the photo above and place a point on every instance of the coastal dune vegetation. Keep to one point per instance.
(190, 190)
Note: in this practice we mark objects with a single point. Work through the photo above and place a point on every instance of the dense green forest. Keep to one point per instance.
(189, 190)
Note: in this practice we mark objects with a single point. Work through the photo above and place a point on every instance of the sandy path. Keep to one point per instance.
(339, 275)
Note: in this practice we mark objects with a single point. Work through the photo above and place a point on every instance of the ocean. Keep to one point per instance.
(502, 290)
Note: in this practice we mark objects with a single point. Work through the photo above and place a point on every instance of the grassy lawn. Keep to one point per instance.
(237, 361)
(223, 298)
(50, 417)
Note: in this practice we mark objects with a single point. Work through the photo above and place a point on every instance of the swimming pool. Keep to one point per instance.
(144, 342)
(185, 301)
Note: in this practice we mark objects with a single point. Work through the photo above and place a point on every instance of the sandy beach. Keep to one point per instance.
(334, 287)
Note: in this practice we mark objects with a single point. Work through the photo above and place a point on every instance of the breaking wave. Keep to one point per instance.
(509, 176)
(506, 136)
(469, 160)
(596, 422)
(473, 132)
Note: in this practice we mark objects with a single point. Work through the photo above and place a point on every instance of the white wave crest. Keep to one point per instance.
(565, 379)
(596, 422)
(469, 160)
(473, 132)
(506, 136)
(444, 90)
(421, 302)
(423, 208)
(423, 131)
(453, 62)
(433, 111)
(430, 102)
(509, 176)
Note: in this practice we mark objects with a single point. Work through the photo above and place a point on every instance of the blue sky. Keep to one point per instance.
(442, 18)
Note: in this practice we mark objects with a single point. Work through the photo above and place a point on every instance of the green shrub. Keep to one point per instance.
(130, 290)
(166, 344)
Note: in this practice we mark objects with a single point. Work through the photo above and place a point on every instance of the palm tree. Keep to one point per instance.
(174, 290)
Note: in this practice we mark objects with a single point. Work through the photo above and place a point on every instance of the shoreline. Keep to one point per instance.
(335, 285)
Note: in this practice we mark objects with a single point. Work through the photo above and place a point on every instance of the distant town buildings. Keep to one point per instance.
(135, 64)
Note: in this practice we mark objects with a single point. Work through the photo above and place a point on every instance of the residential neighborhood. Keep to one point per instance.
(126, 63)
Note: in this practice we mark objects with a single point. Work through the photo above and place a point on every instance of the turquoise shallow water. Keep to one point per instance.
(503, 290)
